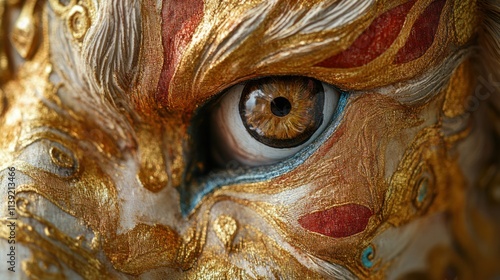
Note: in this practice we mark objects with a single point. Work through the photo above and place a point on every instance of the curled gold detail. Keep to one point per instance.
(60, 158)
(278, 262)
(423, 192)
(78, 21)
(51, 250)
(425, 165)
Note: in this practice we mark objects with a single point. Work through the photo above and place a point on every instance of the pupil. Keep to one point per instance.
(280, 106)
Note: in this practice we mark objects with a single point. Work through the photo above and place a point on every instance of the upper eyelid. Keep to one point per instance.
(192, 196)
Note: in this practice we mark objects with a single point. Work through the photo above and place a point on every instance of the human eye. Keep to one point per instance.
(267, 120)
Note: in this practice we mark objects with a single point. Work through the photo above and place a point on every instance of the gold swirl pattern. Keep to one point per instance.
(104, 146)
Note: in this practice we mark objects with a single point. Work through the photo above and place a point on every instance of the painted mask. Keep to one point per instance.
(274, 139)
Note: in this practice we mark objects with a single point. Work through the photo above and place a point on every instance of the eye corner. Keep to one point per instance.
(221, 137)
(265, 120)
(224, 153)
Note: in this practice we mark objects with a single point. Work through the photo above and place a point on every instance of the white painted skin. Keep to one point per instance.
(233, 142)
(84, 92)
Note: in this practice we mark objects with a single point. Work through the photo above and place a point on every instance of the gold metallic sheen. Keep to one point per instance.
(460, 87)
(152, 173)
(78, 21)
(255, 233)
(465, 20)
(4, 58)
(60, 158)
(225, 227)
(25, 30)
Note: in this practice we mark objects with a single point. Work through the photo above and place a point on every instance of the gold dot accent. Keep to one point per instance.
(225, 228)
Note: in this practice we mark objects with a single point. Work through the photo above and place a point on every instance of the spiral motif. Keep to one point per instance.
(78, 21)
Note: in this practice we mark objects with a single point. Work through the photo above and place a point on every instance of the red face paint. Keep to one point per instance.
(180, 19)
(382, 33)
(422, 33)
(373, 41)
(339, 221)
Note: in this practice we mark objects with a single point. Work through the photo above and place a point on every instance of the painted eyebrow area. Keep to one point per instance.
(330, 41)
(382, 33)
(207, 34)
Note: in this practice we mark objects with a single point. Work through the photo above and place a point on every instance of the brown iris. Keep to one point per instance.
(282, 112)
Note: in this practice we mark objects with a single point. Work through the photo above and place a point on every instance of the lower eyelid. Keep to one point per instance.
(237, 174)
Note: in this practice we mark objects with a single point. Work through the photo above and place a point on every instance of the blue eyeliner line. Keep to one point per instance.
(189, 202)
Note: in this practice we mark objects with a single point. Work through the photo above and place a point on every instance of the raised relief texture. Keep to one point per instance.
(208, 139)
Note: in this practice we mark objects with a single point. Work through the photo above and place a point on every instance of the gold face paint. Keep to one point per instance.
(105, 113)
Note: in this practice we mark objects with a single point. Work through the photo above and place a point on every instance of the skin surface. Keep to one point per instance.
(129, 156)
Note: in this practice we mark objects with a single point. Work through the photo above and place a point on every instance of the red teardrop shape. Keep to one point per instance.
(339, 221)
